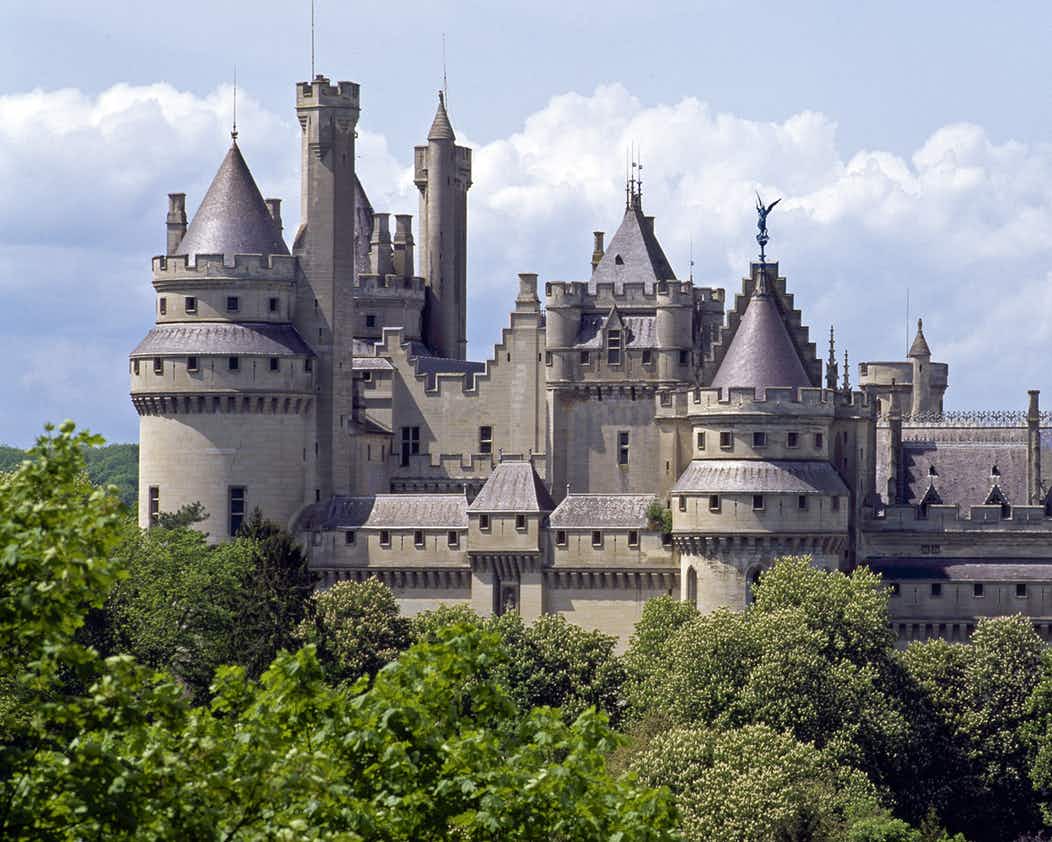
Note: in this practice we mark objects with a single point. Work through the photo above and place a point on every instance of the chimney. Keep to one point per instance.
(176, 221)
(380, 245)
(527, 300)
(1033, 449)
(403, 245)
(597, 251)
(274, 206)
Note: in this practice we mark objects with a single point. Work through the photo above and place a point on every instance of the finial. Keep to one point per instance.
(233, 131)
(831, 372)
(920, 325)
(761, 224)
(847, 373)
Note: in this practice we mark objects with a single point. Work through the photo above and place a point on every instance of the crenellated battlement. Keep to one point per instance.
(390, 285)
(772, 401)
(255, 267)
(665, 293)
(322, 92)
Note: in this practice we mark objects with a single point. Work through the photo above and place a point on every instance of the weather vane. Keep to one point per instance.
(761, 223)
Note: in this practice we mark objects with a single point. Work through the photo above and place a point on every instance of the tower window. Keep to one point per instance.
(613, 347)
(410, 444)
(759, 439)
(385, 538)
(633, 538)
(418, 539)
(684, 357)
(701, 441)
(232, 304)
(154, 504)
(547, 357)
(622, 447)
(367, 376)
(977, 590)
(936, 590)
(585, 358)
(486, 440)
(236, 508)
(349, 537)
(190, 304)
(484, 523)
(834, 503)
(726, 440)
(819, 441)
(308, 365)
(648, 356)
(135, 366)
(191, 363)
(714, 502)
(370, 320)
(682, 503)
(453, 539)
(560, 538)
(792, 439)
(163, 304)
(272, 304)
(158, 365)
(597, 538)
(274, 364)
(233, 363)
(1020, 590)
(520, 523)
(801, 502)
(757, 502)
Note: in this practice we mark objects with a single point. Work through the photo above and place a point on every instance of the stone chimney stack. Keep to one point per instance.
(895, 493)
(176, 221)
(380, 262)
(1033, 450)
(527, 300)
(598, 250)
(274, 206)
(403, 257)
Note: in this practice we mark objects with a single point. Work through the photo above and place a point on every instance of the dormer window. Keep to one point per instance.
(613, 347)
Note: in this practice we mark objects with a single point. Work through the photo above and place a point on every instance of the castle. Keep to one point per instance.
(329, 387)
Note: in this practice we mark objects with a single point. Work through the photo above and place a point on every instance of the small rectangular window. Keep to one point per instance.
(727, 440)
(560, 538)
(158, 365)
(485, 440)
(370, 320)
(622, 447)
(163, 304)
(232, 304)
(792, 439)
(648, 356)
(190, 304)
(274, 364)
(759, 439)
(682, 503)
(613, 347)
(896, 588)
(418, 539)
(597, 538)
(834, 503)
(191, 363)
(714, 502)
(801, 502)
(453, 539)
(385, 538)
(367, 377)
(233, 363)
(484, 523)
(349, 537)
(585, 358)
(633, 538)
(547, 357)
(410, 444)
(236, 508)
(977, 590)
(936, 590)
(520, 523)
(757, 502)
(819, 440)
(308, 365)
(272, 304)
(135, 366)
(684, 357)
(1020, 590)
(701, 441)
(154, 504)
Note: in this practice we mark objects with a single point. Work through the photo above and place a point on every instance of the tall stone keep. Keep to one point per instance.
(442, 172)
(325, 246)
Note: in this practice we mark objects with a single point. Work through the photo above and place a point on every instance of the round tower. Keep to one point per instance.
(223, 383)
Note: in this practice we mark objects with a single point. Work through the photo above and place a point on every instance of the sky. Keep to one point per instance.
(911, 144)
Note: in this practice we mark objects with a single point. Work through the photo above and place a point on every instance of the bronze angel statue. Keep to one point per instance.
(761, 222)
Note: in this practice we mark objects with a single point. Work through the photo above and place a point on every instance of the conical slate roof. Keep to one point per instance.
(233, 218)
(634, 254)
(920, 348)
(441, 128)
(762, 353)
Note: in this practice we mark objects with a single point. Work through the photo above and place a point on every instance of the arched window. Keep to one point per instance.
(692, 587)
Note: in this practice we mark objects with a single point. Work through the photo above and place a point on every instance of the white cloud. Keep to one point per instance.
(963, 223)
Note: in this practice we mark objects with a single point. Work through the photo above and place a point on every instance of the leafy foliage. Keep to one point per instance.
(647, 660)
(114, 464)
(659, 517)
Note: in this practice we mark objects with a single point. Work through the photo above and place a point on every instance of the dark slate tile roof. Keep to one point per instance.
(761, 353)
(447, 365)
(388, 511)
(371, 364)
(964, 569)
(641, 331)
(441, 128)
(602, 511)
(642, 258)
(963, 470)
(919, 348)
(233, 218)
(263, 339)
(513, 487)
(728, 476)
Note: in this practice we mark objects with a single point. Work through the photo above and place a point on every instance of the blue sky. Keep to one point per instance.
(911, 142)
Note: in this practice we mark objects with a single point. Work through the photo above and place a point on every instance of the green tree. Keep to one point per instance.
(187, 515)
(647, 659)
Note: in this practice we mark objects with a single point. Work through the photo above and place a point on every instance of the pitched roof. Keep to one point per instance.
(602, 511)
(514, 486)
(761, 353)
(920, 348)
(263, 339)
(388, 511)
(641, 257)
(728, 476)
(441, 128)
(640, 331)
(964, 569)
(233, 218)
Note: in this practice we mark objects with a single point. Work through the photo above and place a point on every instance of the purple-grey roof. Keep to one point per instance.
(642, 258)
(964, 569)
(371, 364)
(514, 486)
(640, 331)
(387, 511)
(761, 353)
(728, 476)
(233, 218)
(441, 128)
(919, 348)
(963, 470)
(263, 339)
(602, 511)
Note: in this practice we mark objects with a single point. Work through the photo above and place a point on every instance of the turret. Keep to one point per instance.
(920, 356)
(443, 176)
(402, 257)
(597, 249)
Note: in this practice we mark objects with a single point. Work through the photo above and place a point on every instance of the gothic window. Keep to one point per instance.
(622, 447)
(584, 358)
(834, 503)
(682, 503)
(486, 440)
(936, 590)
(308, 365)
(158, 365)
(692, 586)
(997, 497)
(597, 539)
(135, 366)
(684, 357)
(819, 441)
(1020, 590)
(977, 590)
(484, 523)
(613, 347)
(348, 537)
(272, 305)
(370, 320)
(648, 356)
(801, 502)
(618, 260)
(236, 508)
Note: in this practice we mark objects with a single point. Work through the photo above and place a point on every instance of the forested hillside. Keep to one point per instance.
(116, 464)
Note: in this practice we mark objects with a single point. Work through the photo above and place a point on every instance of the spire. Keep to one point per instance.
(441, 128)
(633, 254)
(831, 366)
(920, 348)
(233, 218)
(233, 130)
(847, 373)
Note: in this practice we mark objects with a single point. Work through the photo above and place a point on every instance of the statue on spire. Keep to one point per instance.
(761, 224)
